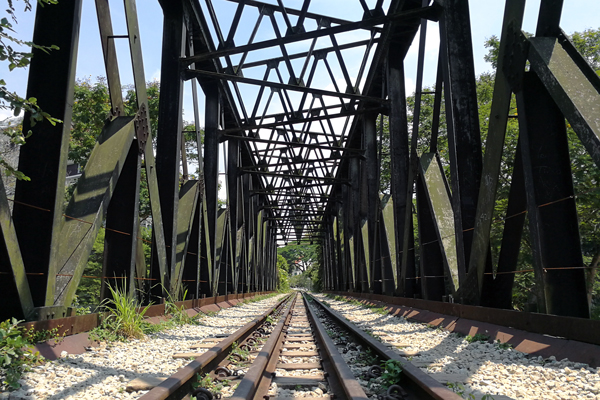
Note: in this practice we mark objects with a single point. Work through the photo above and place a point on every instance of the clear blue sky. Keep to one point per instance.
(486, 20)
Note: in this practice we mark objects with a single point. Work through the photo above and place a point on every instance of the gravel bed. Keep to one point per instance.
(490, 368)
(103, 372)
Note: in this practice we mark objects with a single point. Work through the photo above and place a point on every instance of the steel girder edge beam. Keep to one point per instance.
(12, 264)
(570, 86)
(87, 208)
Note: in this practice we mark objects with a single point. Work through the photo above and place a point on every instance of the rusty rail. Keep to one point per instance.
(413, 379)
(179, 385)
(258, 378)
(341, 378)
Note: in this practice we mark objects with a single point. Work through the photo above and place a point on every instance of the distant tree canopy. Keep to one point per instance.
(299, 256)
(283, 277)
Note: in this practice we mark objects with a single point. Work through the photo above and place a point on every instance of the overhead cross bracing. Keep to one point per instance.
(309, 106)
(296, 96)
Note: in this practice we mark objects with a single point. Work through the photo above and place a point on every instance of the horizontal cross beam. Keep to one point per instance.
(430, 13)
(192, 73)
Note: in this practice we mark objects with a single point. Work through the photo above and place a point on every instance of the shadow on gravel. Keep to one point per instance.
(457, 356)
(99, 374)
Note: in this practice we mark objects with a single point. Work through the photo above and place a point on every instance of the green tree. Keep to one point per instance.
(283, 277)
(299, 256)
(91, 108)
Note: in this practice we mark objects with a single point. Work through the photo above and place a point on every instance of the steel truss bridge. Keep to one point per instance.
(302, 158)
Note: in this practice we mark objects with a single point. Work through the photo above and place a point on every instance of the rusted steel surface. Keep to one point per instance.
(580, 329)
(83, 323)
(74, 344)
(269, 354)
(348, 383)
(412, 377)
(535, 339)
(68, 325)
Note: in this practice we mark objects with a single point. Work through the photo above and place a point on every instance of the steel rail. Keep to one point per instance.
(413, 379)
(335, 364)
(179, 385)
(257, 375)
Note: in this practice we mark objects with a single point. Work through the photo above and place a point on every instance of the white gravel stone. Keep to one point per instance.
(490, 368)
(104, 372)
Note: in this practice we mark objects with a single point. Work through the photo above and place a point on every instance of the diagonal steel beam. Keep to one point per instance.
(430, 13)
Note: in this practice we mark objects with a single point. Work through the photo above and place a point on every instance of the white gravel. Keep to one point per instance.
(489, 368)
(103, 373)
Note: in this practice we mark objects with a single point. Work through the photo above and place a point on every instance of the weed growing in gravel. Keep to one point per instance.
(374, 336)
(236, 351)
(379, 310)
(178, 314)
(479, 337)
(123, 321)
(212, 385)
(258, 298)
(376, 309)
(503, 346)
(15, 354)
(392, 370)
(326, 303)
(367, 358)
(460, 390)
(43, 335)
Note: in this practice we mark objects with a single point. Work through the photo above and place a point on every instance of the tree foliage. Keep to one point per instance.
(299, 256)
(283, 277)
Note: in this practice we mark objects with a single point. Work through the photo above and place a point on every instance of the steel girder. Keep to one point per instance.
(303, 158)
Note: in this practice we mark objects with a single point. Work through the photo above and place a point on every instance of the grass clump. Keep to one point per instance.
(124, 321)
(16, 355)
(503, 346)
(206, 382)
(178, 314)
(478, 337)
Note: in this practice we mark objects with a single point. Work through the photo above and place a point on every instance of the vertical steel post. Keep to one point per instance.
(122, 226)
(371, 171)
(353, 226)
(211, 167)
(552, 213)
(511, 237)
(401, 189)
(462, 119)
(44, 157)
(168, 137)
(233, 200)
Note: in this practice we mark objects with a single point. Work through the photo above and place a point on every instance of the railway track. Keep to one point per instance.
(288, 353)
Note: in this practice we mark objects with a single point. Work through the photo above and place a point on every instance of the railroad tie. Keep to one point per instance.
(295, 366)
(144, 383)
